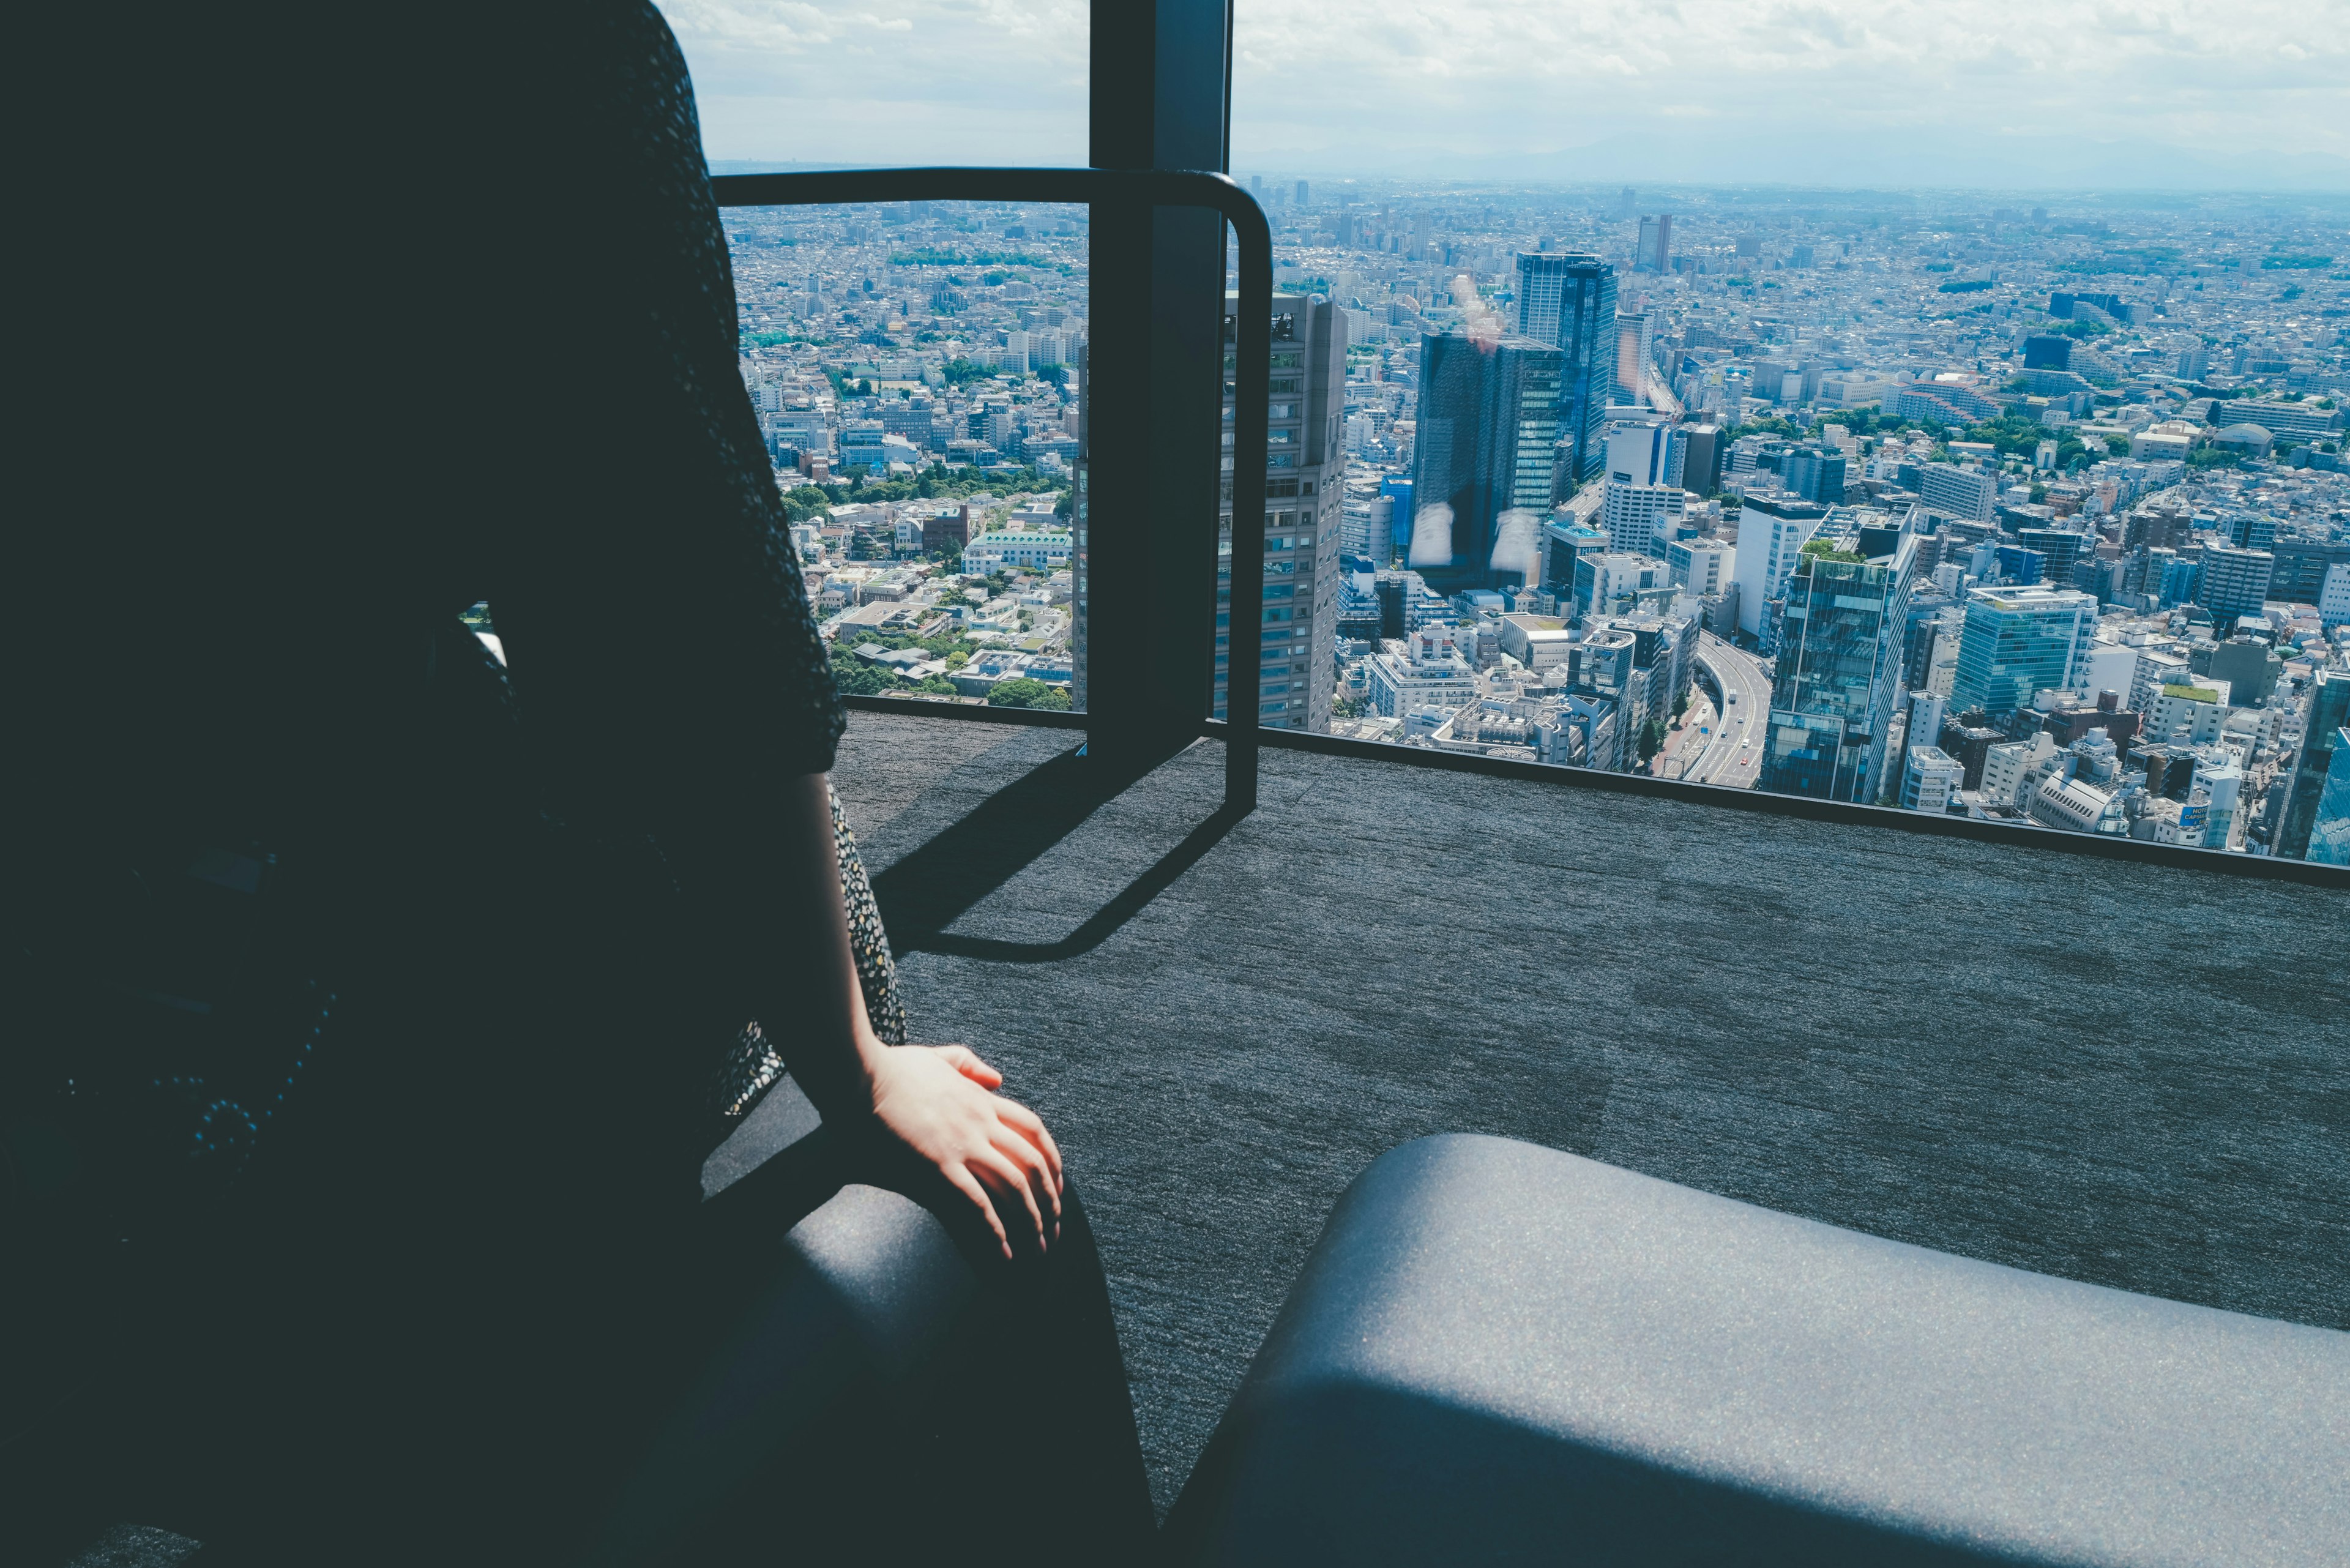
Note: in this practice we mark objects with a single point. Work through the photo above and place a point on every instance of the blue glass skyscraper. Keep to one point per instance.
(1569, 301)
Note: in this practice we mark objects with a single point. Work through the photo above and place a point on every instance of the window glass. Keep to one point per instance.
(1712, 400)
(918, 370)
(782, 84)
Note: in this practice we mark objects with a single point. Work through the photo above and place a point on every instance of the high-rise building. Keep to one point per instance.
(1303, 195)
(1701, 470)
(1954, 492)
(1080, 532)
(1641, 502)
(1814, 473)
(1655, 251)
(1305, 500)
(2329, 834)
(2233, 583)
(1487, 443)
(1701, 566)
(2019, 642)
(2334, 597)
(1568, 301)
(1838, 679)
(1634, 344)
(1769, 534)
(2329, 710)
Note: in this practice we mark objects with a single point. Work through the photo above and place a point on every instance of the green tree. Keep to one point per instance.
(1652, 739)
(858, 679)
(1680, 706)
(1023, 693)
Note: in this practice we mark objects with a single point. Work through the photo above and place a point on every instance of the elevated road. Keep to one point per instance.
(1733, 756)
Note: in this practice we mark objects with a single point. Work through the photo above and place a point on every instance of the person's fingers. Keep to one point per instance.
(964, 1061)
(1016, 1179)
(969, 1186)
(1031, 1159)
(1031, 1126)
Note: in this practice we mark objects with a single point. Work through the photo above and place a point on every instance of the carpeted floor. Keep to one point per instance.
(2125, 1073)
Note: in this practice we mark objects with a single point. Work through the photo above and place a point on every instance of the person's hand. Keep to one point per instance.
(937, 1103)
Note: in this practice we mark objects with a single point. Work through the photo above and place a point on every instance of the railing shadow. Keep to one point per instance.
(931, 888)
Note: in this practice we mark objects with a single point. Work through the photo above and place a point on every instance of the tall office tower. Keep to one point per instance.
(1080, 520)
(2019, 642)
(1303, 198)
(2233, 583)
(1627, 205)
(2329, 710)
(1636, 343)
(1814, 473)
(2334, 597)
(2329, 832)
(1569, 300)
(1769, 534)
(1487, 443)
(1838, 679)
(2060, 548)
(1955, 492)
(1655, 251)
(1641, 501)
(1305, 498)
(1701, 467)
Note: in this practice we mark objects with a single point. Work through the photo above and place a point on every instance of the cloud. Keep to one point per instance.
(1424, 87)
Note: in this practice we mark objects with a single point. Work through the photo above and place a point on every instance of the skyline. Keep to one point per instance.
(2077, 95)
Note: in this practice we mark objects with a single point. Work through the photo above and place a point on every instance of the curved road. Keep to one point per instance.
(1732, 757)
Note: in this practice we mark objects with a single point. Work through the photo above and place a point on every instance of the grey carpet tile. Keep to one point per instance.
(2125, 1073)
(136, 1546)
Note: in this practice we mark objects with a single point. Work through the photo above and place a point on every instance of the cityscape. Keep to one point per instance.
(2004, 508)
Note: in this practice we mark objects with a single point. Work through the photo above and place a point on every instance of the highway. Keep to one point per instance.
(1733, 756)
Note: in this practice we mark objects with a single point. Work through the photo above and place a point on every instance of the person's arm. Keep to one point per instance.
(932, 1105)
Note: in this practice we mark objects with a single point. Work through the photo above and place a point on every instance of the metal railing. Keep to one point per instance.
(1250, 414)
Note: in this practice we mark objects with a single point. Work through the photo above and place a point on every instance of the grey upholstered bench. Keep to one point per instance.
(1503, 1353)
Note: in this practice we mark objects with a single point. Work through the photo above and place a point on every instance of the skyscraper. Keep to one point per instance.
(1655, 251)
(1769, 533)
(2329, 835)
(1838, 679)
(2233, 583)
(2017, 641)
(1487, 443)
(1641, 499)
(1569, 301)
(1636, 336)
(1304, 496)
(2329, 710)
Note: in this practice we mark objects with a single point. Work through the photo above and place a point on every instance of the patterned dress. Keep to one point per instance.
(753, 1065)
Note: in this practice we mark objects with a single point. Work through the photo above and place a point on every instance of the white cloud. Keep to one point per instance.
(1421, 86)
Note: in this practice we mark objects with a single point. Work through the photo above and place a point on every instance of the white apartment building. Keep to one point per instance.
(2333, 598)
(2201, 708)
(1768, 546)
(2008, 770)
(1956, 492)
(1701, 566)
(1930, 776)
(1638, 518)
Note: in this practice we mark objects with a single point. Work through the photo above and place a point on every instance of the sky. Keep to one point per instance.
(2054, 94)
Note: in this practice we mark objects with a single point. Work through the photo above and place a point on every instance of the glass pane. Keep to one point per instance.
(918, 373)
(785, 84)
(2005, 506)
